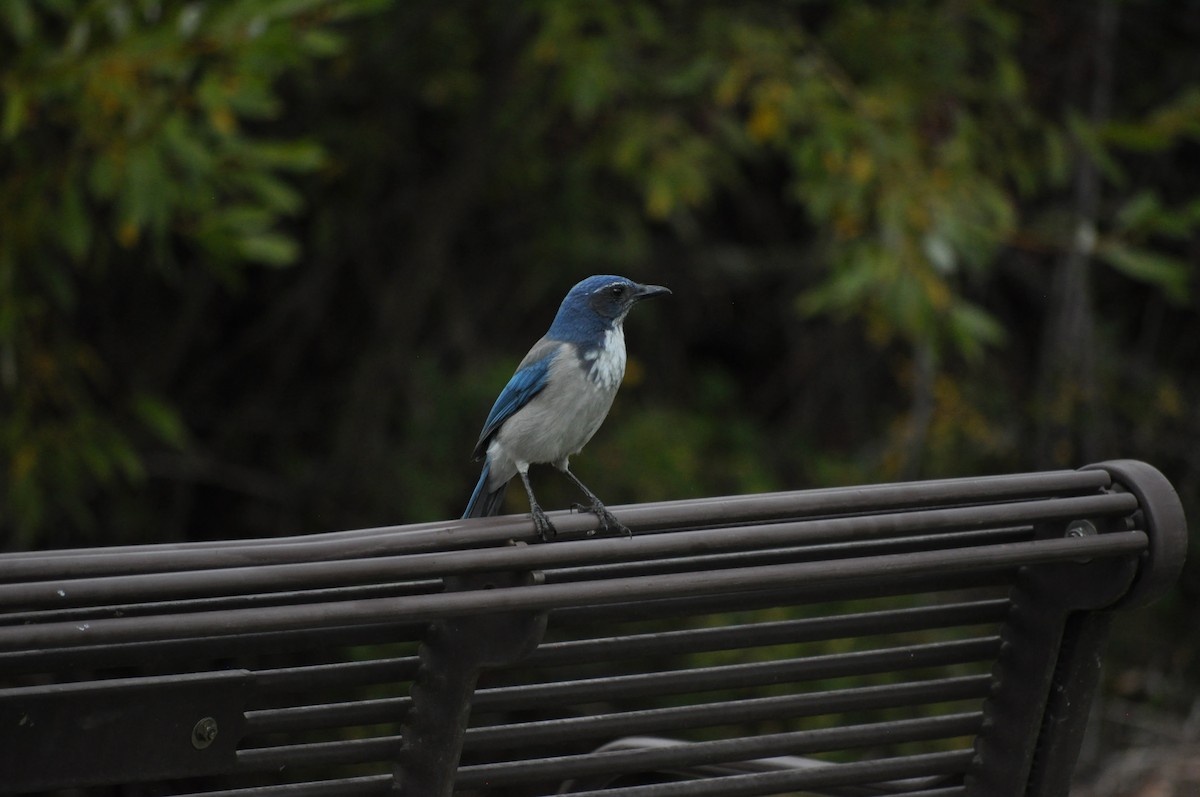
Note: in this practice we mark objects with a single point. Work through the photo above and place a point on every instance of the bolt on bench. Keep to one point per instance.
(929, 639)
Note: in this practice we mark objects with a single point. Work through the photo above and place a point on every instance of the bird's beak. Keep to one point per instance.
(647, 291)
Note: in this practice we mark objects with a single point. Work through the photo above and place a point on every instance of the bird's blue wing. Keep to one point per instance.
(529, 380)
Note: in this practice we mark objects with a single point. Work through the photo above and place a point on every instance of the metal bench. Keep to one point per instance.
(931, 639)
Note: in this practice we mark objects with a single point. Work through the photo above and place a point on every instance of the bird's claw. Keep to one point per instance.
(545, 528)
(608, 521)
(616, 525)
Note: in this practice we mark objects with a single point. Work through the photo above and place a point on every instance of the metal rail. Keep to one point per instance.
(688, 754)
(812, 576)
(450, 535)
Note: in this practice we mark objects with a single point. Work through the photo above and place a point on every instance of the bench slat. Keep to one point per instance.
(689, 754)
(650, 721)
(809, 629)
(808, 576)
(860, 773)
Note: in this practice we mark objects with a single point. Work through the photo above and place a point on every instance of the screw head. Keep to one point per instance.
(204, 733)
(1082, 528)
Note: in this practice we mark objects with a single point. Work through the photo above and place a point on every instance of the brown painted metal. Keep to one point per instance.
(222, 668)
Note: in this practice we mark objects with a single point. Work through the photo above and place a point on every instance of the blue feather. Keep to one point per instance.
(527, 382)
(484, 503)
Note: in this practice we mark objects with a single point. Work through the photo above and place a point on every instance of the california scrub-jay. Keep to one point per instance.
(558, 397)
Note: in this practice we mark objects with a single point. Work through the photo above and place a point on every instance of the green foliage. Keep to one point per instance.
(885, 122)
(128, 142)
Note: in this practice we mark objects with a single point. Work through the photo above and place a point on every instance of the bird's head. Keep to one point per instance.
(597, 303)
(611, 297)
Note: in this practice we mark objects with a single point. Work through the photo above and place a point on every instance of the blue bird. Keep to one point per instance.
(558, 397)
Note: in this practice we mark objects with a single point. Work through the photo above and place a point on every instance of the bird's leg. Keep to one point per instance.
(608, 521)
(545, 528)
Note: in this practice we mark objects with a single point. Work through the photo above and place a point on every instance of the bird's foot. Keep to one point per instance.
(608, 521)
(545, 528)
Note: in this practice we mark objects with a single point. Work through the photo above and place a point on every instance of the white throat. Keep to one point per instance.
(607, 361)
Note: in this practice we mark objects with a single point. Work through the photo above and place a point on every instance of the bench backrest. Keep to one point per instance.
(929, 638)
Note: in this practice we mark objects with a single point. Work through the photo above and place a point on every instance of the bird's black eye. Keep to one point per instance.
(617, 291)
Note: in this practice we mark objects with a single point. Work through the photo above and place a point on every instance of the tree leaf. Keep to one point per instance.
(1144, 265)
(161, 419)
(271, 249)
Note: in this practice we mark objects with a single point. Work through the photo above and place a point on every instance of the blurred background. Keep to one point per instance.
(264, 265)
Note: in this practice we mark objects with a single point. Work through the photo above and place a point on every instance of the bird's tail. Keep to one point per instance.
(484, 503)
